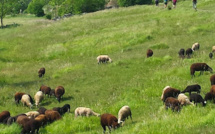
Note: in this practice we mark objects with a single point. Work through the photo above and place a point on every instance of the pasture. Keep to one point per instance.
(68, 49)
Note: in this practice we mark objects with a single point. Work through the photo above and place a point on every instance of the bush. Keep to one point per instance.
(49, 16)
(125, 3)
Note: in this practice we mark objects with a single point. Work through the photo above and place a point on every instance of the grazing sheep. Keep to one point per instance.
(52, 92)
(110, 121)
(212, 89)
(38, 97)
(163, 91)
(52, 115)
(59, 92)
(212, 79)
(189, 52)
(197, 98)
(4, 115)
(149, 53)
(42, 110)
(18, 97)
(32, 114)
(211, 55)
(172, 103)
(41, 72)
(26, 100)
(192, 88)
(184, 100)
(170, 92)
(213, 48)
(103, 59)
(22, 119)
(181, 53)
(195, 46)
(14, 118)
(199, 67)
(42, 119)
(58, 109)
(65, 108)
(45, 89)
(31, 126)
(83, 111)
(210, 96)
(123, 113)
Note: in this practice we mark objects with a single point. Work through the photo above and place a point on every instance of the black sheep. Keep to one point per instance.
(197, 98)
(42, 110)
(31, 126)
(212, 79)
(210, 55)
(209, 96)
(41, 72)
(65, 108)
(199, 67)
(149, 53)
(188, 52)
(192, 88)
(181, 53)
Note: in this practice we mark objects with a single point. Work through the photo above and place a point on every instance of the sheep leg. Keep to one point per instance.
(109, 128)
(104, 129)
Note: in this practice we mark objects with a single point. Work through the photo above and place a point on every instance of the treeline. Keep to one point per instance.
(54, 8)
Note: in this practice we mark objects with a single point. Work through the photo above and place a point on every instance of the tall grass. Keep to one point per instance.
(68, 49)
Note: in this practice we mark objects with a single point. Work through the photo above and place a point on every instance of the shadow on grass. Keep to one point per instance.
(10, 25)
(67, 98)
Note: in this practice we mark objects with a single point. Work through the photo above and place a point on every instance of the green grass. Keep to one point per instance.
(68, 50)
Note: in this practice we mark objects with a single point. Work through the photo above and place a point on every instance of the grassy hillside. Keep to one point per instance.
(68, 50)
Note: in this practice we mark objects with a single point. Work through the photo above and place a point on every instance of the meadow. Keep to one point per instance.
(68, 49)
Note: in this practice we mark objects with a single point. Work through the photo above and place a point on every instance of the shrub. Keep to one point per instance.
(49, 16)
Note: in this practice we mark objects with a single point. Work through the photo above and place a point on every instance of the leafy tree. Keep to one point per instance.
(125, 3)
(5, 7)
(36, 7)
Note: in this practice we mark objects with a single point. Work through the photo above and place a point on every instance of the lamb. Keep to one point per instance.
(42, 110)
(41, 72)
(189, 52)
(52, 115)
(181, 53)
(192, 88)
(123, 113)
(163, 91)
(197, 98)
(18, 96)
(195, 46)
(172, 103)
(103, 59)
(212, 79)
(110, 121)
(45, 89)
(32, 114)
(170, 92)
(210, 96)
(4, 115)
(149, 53)
(83, 111)
(199, 67)
(184, 100)
(211, 55)
(26, 100)
(38, 97)
(59, 92)
(213, 49)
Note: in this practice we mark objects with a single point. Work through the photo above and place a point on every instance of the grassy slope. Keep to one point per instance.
(68, 50)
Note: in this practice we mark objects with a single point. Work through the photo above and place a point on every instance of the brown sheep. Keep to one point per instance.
(4, 115)
(59, 92)
(52, 115)
(13, 119)
(149, 53)
(199, 67)
(45, 89)
(172, 103)
(210, 96)
(42, 119)
(41, 72)
(18, 97)
(110, 121)
(31, 126)
(212, 89)
(42, 110)
(22, 119)
(212, 79)
(170, 92)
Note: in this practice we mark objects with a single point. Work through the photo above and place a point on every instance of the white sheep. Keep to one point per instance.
(213, 48)
(38, 97)
(103, 59)
(195, 46)
(32, 114)
(163, 91)
(184, 100)
(84, 111)
(123, 113)
(26, 100)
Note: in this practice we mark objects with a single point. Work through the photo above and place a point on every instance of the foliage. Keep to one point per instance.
(5, 8)
(36, 7)
(125, 3)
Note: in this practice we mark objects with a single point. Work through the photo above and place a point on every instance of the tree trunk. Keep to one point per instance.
(2, 12)
(1, 21)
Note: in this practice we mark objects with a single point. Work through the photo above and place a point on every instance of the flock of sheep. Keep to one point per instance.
(175, 99)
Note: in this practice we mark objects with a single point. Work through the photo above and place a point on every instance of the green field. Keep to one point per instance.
(68, 49)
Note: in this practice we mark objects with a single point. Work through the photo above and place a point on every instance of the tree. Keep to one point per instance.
(5, 7)
(36, 7)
